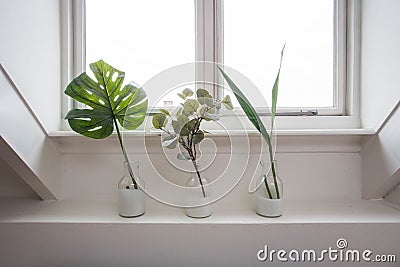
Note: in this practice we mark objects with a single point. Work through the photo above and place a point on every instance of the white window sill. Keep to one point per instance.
(318, 140)
(299, 132)
(16, 210)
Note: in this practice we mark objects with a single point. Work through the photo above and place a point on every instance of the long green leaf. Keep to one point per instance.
(247, 108)
(275, 92)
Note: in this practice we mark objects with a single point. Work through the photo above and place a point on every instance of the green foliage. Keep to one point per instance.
(159, 120)
(256, 120)
(185, 93)
(186, 121)
(108, 104)
(107, 100)
(183, 126)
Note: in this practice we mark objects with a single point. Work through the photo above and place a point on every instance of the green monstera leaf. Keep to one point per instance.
(107, 100)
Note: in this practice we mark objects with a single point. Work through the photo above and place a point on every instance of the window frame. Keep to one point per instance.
(340, 65)
(209, 47)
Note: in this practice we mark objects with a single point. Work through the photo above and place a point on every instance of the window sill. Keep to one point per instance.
(295, 212)
(299, 132)
(295, 141)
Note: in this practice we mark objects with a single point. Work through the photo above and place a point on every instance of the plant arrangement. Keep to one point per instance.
(258, 124)
(108, 105)
(183, 126)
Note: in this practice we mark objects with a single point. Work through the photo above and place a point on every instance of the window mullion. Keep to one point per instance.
(208, 43)
(340, 43)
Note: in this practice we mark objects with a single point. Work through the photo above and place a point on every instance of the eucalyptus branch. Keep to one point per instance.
(186, 123)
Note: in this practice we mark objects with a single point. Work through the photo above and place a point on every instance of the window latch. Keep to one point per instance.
(298, 113)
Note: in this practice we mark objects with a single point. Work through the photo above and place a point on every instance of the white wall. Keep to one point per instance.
(380, 60)
(394, 195)
(381, 160)
(30, 52)
(317, 175)
(187, 245)
(380, 95)
(11, 184)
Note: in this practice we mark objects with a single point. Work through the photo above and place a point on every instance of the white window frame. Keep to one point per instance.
(209, 48)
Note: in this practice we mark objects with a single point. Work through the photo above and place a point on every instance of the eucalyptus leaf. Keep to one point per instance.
(170, 141)
(211, 110)
(176, 126)
(198, 137)
(209, 116)
(183, 156)
(227, 102)
(159, 120)
(182, 96)
(164, 111)
(183, 119)
(202, 93)
(190, 106)
(187, 92)
(204, 97)
(189, 127)
(202, 110)
(108, 100)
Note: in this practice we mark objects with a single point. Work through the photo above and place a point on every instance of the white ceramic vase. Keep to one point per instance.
(197, 200)
(131, 198)
(270, 192)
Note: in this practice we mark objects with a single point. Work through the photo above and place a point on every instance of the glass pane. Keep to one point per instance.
(254, 34)
(140, 37)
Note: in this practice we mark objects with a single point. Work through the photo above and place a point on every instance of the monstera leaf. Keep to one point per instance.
(107, 101)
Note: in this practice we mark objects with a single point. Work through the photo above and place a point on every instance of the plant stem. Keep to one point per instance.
(125, 155)
(267, 186)
(198, 175)
(275, 180)
(271, 157)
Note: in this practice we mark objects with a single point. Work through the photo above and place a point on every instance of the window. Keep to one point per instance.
(142, 38)
(145, 37)
(252, 45)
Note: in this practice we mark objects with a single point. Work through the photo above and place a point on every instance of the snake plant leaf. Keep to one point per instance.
(107, 100)
(247, 108)
(275, 92)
